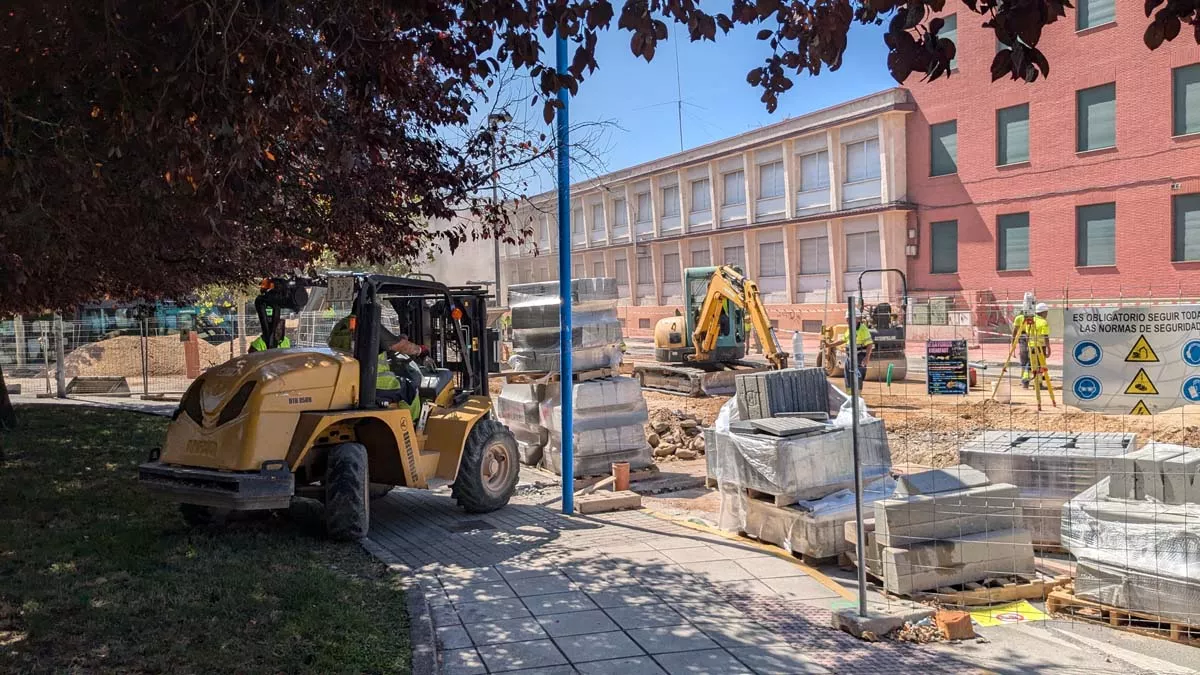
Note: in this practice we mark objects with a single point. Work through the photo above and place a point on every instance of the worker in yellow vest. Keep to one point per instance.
(389, 386)
(864, 345)
(281, 340)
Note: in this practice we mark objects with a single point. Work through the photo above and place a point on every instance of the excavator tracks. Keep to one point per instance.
(694, 381)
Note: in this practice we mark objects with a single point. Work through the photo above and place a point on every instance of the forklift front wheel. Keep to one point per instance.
(488, 473)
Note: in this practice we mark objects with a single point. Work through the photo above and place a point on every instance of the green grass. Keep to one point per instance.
(97, 576)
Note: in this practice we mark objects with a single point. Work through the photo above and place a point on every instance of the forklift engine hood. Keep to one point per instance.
(241, 413)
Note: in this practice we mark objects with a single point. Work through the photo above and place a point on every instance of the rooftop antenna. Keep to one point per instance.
(678, 89)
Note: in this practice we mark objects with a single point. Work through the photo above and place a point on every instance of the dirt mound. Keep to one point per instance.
(674, 434)
(122, 356)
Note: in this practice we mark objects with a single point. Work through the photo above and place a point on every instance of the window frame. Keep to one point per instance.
(725, 256)
(741, 191)
(778, 180)
(778, 260)
(866, 234)
(620, 215)
(1001, 240)
(663, 190)
(847, 147)
(821, 255)
(1080, 13)
(1080, 244)
(933, 238)
(670, 270)
(637, 214)
(822, 170)
(1000, 129)
(706, 192)
(1177, 246)
(1178, 126)
(933, 141)
(601, 222)
(1080, 132)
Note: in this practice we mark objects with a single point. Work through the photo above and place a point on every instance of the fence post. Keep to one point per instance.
(852, 367)
(60, 367)
(19, 336)
(241, 323)
(145, 353)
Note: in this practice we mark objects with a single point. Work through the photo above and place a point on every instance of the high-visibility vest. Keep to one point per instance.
(341, 339)
(260, 345)
(862, 336)
(1039, 334)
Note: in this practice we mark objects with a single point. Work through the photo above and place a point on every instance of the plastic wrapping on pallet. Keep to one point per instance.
(597, 449)
(595, 328)
(812, 528)
(589, 358)
(519, 403)
(604, 330)
(1139, 555)
(586, 294)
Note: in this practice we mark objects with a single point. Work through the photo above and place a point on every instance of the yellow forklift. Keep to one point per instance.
(263, 428)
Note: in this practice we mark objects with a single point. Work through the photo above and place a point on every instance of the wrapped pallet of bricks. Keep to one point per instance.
(609, 419)
(519, 407)
(595, 328)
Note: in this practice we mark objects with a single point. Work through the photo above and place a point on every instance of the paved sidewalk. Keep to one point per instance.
(528, 590)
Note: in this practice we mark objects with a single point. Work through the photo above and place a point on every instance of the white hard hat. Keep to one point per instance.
(1042, 307)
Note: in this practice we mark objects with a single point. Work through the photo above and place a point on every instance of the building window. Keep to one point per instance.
(671, 268)
(597, 217)
(862, 251)
(770, 180)
(1185, 87)
(622, 272)
(576, 221)
(1186, 227)
(814, 255)
(644, 212)
(943, 238)
(701, 198)
(943, 148)
(814, 171)
(670, 197)
(1092, 13)
(862, 160)
(1013, 241)
(643, 324)
(598, 269)
(950, 32)
(770, 259)
(620, 217)
(1096, 118)
(735, 188)
(701, 258)
(1096, 235)
(645, 270)
(1012, 135)
(735, 255)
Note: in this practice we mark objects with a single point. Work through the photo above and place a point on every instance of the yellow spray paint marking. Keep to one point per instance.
(1141, 384)
(1142, 352)
(1013, 612)
(1140, 408)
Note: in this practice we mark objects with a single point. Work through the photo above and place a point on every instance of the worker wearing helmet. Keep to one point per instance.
(1040, 339)
(1022, 339)
(281, 341)
(389, 386)
(864, 345)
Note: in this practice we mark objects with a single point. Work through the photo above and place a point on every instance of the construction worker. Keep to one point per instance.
(281, 341)
(1022, 348)
(1040, 330)
(389, 386)
(864, 346)
(1040, 339)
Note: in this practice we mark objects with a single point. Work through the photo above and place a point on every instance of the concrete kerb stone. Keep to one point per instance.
(421, 634)
(881, 618)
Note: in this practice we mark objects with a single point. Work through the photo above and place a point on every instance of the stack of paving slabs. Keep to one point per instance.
(949, 526)
(595, 328)
(1049, 467)
(1134, 534)
(610, 414)
(766, 394)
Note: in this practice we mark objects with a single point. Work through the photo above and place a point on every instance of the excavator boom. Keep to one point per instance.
(727, 284)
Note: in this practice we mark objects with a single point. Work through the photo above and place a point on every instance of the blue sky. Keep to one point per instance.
(639, 97)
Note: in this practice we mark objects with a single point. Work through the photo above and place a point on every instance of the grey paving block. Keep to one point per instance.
(718, 570)
(777, 660)
(630, 595)
(453, 637)
(790, 426)
(558, 603)
(770, 567)
(973, 557)
(597, 646)
(495, 610)
(702, 611)
(948, 479)
(636, 665)
(481, 592)
(687, 593)
(706, 661)
(445, 616)
(735, 632)
(907, 520)
(552, 670)
(462, 662)
(542, 585)
(663, 639)
(696, 554)
(521, 655)
(801, 588)
(577, 623)
(645, 617)
(508, 630)
(457, 577)
(512, 572)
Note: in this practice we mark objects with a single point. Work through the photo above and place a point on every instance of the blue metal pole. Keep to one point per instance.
(564, 288)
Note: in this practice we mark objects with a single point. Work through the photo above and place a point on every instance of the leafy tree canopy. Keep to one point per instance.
(152, 147)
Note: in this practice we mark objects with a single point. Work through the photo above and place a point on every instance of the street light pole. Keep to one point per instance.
(495, 120)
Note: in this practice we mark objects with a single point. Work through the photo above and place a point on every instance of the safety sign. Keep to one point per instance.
(1131, 360)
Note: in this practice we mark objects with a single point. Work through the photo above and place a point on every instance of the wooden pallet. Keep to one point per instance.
(1063, 601)
(529, 376)
(992, 591)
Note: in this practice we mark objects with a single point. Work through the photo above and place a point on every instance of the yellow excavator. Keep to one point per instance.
(700, 351)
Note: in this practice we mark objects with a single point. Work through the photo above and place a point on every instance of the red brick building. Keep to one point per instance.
(1086, 184)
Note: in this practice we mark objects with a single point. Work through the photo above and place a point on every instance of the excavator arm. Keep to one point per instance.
(728, 284)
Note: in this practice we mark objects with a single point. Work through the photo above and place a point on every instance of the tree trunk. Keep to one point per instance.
(8, 415)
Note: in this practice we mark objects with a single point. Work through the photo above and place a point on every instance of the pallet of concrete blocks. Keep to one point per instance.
(950, 526)
(769, 393)
(1049, 467)
(519, 407)
(1137, 553)
(595, 328)
(609, 426)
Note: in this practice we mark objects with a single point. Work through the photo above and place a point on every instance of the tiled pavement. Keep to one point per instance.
(527, 590)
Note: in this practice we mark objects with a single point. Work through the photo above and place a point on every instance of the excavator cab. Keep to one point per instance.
(264, 428)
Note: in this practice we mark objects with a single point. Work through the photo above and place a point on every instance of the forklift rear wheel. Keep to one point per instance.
(488, 473)
(347, 510)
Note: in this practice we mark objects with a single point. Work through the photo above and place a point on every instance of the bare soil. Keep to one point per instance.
(123, 356)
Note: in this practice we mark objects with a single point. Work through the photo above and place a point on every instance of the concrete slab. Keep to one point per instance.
(602, 502)
(772, 567)
(543, 585)
(974, 557)
(558, 603)
(521, 655)
(631, 595)
(462, 662)
(1181, 483)
(696, 554)
(777, 660)
(663, 639)
(495, 610)
(718, 571)
(907, 520)
(509, 630)
(736, 633)
(650, 616)
(948, 479)
(881, 618)
(453, 637)
(637, 665)
(480, 592)
(598, 646)
(577, 623)
(444, 616)
(800, 588)
(706, 661)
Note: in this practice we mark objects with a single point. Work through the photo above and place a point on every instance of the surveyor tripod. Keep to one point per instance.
(1037, 360)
